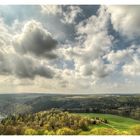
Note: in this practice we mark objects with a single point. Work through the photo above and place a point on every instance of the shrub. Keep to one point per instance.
(40, 132)
(104, 131)
(65, 131)
(19, 130)
(47, 127)
(84, 133)
(9, 130)
(46, 132)
(123, 133)
(1, 129)
(30, 131)
(83, 124)
(135, 130)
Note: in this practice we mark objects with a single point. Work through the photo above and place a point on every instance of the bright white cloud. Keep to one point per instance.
(5, 36)
(95, 44)
(133, 68)
(120, 56)
(125, 19)
(67, 14)
(51, 9)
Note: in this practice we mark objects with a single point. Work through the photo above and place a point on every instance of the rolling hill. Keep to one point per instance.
(57, 122)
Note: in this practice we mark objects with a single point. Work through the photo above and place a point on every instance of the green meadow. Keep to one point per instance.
(118, 123)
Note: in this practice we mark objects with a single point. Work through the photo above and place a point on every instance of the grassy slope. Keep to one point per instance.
(119, 123)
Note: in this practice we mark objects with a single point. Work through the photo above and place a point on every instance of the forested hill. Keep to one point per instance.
(123, 105)
(48, 123)
(56, 122)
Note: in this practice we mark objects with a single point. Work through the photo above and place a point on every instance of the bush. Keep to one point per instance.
(9, 130)
(83, 124)
(40, 132)
(123, 133)
(104, 131)
(1, 129)
(65, 131)
(84, 133)
(135, 130)
(30, 131)
(46, 132)
(19, 130)
(47, 127)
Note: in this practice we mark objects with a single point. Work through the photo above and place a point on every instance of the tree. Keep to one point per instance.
(9, 130)
(46, 132)
(104, 131)
(47, 127)
(135, 130)
(19, 130)
(30, 131)
(1, 129)
(83, 124)
(65, 131)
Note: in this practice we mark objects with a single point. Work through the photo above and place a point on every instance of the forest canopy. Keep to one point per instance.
(57, 122)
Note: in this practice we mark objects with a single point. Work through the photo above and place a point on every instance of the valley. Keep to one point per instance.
(34, 114)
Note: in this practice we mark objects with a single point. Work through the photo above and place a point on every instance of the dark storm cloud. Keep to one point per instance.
(23, 67)
(4, 65)
(44, 72)
(26, 68)
(35, 40)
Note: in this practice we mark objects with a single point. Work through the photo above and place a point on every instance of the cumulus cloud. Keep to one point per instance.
(4, 64)
(94, 43)
(68, 14)
(5, 47)
(132, 68)
(120, 56)
(125, 19)
(5, 36)
(20, 57)
(71, 13)
(51, 9)
(35, 40)
(97, 68)
(100, 69)
(90, 61)
(24, 67)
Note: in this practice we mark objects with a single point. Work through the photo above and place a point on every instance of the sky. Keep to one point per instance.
(87, 49)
